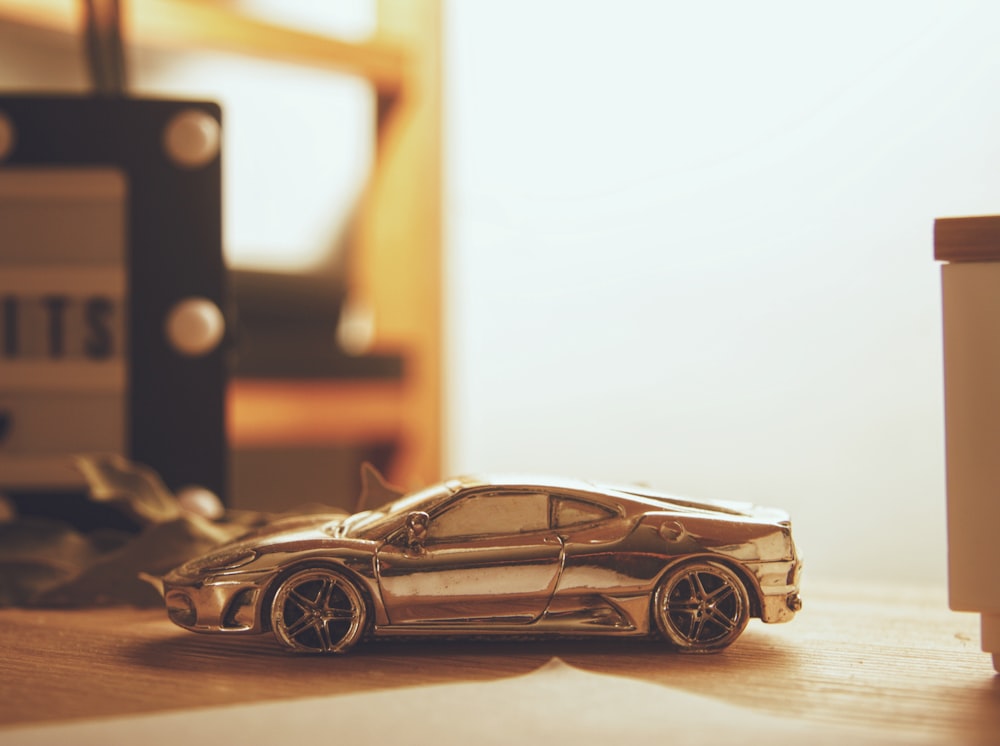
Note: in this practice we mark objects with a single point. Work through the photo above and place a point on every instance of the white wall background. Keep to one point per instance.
(691, 245)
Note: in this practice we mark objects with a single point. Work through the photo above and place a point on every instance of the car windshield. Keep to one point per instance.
(371, 524)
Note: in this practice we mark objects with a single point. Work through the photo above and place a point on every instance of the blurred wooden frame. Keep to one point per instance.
(397, 268)
(399, 272)
(215, 24)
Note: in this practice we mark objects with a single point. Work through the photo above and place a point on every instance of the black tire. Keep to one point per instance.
(701, 606)
(318, 610)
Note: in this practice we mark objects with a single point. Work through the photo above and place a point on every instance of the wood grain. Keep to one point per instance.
(870, 658)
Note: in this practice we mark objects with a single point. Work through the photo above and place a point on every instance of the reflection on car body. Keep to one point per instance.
(484, 556)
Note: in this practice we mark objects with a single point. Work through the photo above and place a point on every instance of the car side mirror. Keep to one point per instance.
(416, 530)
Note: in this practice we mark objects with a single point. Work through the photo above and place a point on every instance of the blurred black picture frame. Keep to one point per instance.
(174, 402)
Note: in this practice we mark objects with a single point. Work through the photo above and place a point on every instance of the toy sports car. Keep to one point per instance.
(472, 556)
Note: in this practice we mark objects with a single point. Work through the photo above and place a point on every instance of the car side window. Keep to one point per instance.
(569, 511)
(490, 514)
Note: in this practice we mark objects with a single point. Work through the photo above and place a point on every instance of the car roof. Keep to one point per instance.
(638, 495)
(521, 481)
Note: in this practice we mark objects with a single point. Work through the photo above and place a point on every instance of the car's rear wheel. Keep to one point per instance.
(318, 611)
(701, 606)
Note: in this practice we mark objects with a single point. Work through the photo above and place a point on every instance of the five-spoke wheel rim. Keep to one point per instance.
(318, 611)
(702, 606)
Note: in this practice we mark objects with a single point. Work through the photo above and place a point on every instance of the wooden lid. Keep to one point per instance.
(967, 239)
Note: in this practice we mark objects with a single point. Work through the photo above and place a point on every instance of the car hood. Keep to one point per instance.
(284, 534)
(295, 524)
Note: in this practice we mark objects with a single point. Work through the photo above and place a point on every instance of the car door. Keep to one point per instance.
(488, 556)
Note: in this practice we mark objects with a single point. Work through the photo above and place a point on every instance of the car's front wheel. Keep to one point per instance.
(701, 606)
(318, 611)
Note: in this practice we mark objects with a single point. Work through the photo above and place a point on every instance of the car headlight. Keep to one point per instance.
(226, 559)
(180, 609)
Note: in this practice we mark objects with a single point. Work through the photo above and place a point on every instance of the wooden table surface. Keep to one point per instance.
(870, 657)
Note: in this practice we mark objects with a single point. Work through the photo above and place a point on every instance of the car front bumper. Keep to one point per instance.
(779, 587)
(229, 604)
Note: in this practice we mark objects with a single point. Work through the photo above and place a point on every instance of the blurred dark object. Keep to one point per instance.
(73, 509)
(46, 561)
(104, 46)
(286, 327)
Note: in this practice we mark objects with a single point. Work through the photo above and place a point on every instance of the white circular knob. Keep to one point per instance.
(195, 326)
(7, 136)
(192, 138)
(200, 501)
